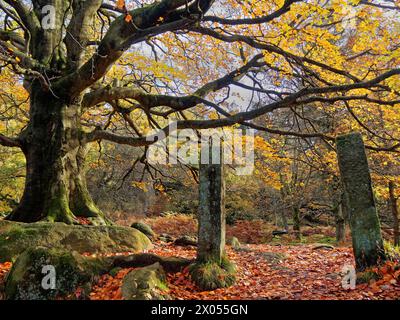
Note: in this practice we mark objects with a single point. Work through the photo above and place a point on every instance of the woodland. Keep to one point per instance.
(90, 86)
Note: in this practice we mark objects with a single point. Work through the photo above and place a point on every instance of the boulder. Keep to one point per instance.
(148, 283)
(17, 237)
(144, 228)
(235, 243)
(48, 274)
(166, 238)
(323, 246)
(186, 241)
(169, 264)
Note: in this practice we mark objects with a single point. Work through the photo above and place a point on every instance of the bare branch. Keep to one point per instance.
(9, 142)
(259, 20)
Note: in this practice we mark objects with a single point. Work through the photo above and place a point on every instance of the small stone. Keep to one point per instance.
(186, 241)
(235, 243)
(273, 257)
(323, 246)
(144, 228)
(144, 283)
(166, 238)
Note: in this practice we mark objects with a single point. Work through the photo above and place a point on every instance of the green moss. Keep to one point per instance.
(320, 238)
(367, 276)
(146, 283)
(16, 237)
(115, 271)
(59, 210)
(144, 228)
(392, 252)
(211, 275)
(24, 282)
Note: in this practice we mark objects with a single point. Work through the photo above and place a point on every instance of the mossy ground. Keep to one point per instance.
(213, 275)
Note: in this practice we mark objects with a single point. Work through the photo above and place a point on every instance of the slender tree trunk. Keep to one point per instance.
(284, 220)
(282, 214)
(395, 213)
(339, 210)
(296, 222)
(55, 187)
(340, 224)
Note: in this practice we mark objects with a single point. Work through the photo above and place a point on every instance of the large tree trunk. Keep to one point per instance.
(55, 187)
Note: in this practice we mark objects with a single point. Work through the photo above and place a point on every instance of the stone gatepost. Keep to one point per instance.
(211, 215)
(363, 217)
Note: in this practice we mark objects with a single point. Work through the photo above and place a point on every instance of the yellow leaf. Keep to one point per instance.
(120, 4)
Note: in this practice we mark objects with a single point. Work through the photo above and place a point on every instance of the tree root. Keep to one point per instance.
(170, 264)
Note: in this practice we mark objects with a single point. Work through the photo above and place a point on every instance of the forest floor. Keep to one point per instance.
(277, 268)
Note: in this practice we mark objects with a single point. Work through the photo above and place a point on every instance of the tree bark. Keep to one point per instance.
(339, 212)
(55, 186)
(364, 221)
(296, 222)
(340, 224)
(395, 213)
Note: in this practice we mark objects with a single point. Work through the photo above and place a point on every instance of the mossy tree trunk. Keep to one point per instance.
(51, 43)
(55, 186)
(364, 221)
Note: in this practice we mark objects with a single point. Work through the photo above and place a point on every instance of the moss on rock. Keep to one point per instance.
(17, 237)
(235, 243)
(148, 283)
(25, 280)
(185, 241)
(144, 228)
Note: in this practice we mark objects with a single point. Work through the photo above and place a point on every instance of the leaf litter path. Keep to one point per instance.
(304, 274)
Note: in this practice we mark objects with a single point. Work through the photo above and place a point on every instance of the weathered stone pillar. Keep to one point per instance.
(212, 269)
(211, 216)
(363, 217)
